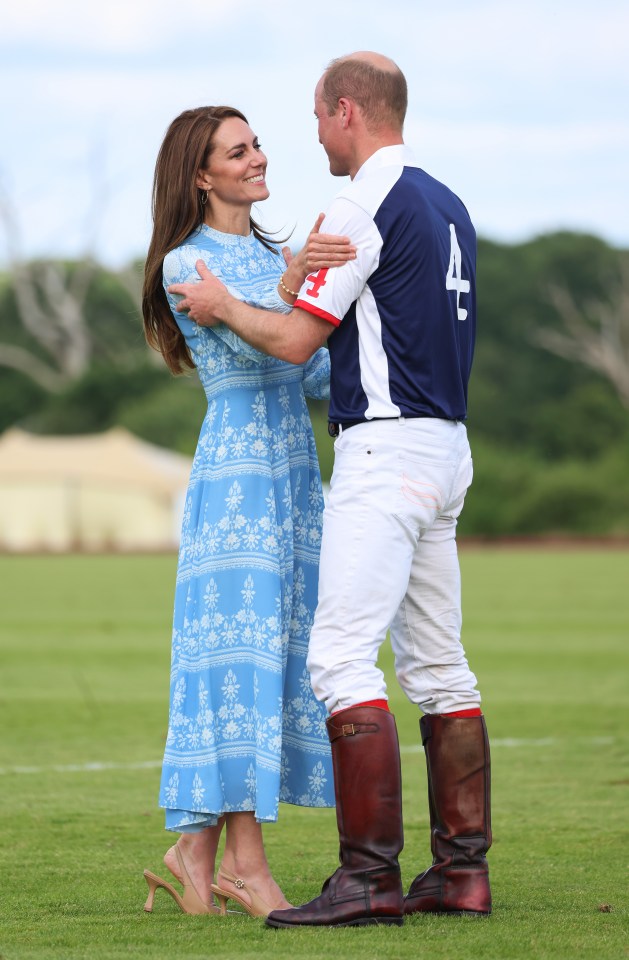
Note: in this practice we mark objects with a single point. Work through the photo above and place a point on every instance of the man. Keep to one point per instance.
(400, 320)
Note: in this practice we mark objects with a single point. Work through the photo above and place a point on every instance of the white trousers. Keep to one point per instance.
(389, 562)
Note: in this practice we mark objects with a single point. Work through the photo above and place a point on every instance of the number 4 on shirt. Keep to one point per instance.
(454, 280)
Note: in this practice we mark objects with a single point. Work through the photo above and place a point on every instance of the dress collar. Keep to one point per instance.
(226, 239)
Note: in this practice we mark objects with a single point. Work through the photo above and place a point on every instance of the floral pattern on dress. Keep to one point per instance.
(245, 730)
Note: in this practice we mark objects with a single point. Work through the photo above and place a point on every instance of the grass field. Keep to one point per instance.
(84, 655)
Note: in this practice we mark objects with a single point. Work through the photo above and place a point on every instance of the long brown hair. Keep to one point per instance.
(177, 211)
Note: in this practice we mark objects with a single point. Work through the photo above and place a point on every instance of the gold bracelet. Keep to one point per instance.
(292, 293)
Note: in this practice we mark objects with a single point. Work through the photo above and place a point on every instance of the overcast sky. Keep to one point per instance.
(522, 108)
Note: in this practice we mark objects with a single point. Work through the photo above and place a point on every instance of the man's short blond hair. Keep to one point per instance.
(381, 94)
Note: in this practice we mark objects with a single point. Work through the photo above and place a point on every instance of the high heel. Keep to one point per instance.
(191, 902)
(257, 907)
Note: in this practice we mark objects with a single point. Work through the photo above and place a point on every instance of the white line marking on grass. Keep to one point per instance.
(549, 741)
(83, 767)
(97, 767)
(525, 742)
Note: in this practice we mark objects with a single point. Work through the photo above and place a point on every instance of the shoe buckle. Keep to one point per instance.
(348, 729)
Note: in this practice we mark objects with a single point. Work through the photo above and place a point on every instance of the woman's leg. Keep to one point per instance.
(244, 858)
(198, 851)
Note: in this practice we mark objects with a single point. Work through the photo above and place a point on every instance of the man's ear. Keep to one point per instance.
(345, 111)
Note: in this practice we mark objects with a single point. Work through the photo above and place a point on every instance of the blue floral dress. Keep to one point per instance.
(245, 730)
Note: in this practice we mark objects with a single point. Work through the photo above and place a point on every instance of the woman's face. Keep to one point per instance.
(236, 174)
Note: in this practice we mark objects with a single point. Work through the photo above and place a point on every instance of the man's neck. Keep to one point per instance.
(370, 145)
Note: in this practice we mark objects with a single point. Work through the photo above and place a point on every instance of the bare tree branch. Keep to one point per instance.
(595, 334)
(50, 301)
(131, 278)
(18, 359)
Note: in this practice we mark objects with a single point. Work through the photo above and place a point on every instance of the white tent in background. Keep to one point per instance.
(108, 491)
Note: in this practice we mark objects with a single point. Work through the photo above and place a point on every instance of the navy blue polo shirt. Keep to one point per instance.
(404, 311)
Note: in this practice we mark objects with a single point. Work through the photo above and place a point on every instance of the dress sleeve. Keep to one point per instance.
(316, 382)
(271, 300)
(238, 346)
(179, 267)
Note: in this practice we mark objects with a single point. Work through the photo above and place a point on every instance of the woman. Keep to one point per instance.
(245, 730)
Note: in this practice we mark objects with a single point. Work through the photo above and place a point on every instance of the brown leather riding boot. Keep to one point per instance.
(457, 757)
(367, 781)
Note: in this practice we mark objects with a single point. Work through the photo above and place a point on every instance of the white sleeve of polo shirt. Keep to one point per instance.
(329, 293)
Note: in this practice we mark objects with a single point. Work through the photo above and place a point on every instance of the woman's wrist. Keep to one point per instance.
(296, 271)
(291, 280)
(285, 285)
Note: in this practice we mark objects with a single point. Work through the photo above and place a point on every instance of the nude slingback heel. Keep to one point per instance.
(190, 902)
(257, 907)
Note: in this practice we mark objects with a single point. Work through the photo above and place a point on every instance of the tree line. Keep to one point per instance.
(549, 397)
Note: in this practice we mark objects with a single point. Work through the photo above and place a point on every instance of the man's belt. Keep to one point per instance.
(334, 429)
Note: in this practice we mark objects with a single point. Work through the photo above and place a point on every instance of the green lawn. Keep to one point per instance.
(84, 660)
